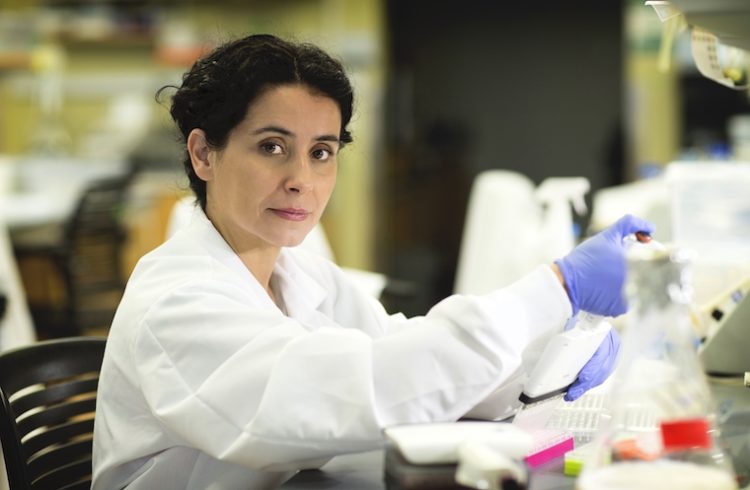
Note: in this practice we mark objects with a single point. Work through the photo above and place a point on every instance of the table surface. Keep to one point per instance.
(46, 190)
(364, 471)
(36, 191)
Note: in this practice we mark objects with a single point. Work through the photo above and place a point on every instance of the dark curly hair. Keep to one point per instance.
(219, 88)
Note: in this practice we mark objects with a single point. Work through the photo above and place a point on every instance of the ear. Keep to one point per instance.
(200, 154)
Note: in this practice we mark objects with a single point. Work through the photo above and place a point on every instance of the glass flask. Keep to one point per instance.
(662, 432)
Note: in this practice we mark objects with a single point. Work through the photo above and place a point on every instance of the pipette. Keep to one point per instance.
(567, 352)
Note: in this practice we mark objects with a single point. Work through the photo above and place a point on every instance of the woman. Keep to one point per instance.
(234, 361)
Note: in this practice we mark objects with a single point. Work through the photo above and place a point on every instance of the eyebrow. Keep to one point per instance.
(286, 132)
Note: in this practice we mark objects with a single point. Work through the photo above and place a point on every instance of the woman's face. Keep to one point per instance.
(271, 182)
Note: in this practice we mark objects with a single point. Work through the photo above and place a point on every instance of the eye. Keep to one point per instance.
(322, 154)
(271, 148)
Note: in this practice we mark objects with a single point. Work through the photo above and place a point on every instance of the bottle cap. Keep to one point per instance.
(679, 435)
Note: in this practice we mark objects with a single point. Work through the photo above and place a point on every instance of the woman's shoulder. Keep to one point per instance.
(182, 261)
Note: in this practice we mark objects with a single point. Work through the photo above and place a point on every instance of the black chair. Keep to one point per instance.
(48, 394)
(87, 253)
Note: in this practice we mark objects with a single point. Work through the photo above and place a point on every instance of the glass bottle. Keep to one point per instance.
(662, 432)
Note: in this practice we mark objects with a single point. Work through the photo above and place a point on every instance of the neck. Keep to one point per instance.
(261, 263)
(259, 257)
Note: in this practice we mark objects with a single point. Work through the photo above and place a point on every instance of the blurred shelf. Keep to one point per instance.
(18, 60)
(118, 4)
(108, 41)
(179, 56)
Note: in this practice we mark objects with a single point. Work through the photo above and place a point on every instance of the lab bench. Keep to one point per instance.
(365, 471)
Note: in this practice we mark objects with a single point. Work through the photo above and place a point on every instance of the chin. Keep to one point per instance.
(287, 236)
(291, 239)
(291, 243)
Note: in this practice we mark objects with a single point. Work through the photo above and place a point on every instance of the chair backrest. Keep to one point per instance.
(48, 399)
(95, 238)
(96, 233)
(99, 206)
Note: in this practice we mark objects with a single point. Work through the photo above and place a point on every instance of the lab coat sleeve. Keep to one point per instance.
(491, 338)
(250, 386)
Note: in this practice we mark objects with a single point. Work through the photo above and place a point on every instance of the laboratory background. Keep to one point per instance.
(489, 137)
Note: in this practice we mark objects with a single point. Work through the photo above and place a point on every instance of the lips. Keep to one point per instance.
(291, 214)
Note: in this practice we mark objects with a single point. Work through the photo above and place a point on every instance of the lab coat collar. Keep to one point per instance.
(301, 293)
(219, 249)
(300, 290)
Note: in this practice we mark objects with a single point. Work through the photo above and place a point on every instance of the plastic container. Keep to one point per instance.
(663, 431)
(710, 215)
(738, 128)
(710, 207)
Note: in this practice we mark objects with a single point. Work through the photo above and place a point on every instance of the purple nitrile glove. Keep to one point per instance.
(594, 271)
(598, 368)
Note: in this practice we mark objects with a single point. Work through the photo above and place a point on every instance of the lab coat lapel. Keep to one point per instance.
(302, 294)
(220, 250)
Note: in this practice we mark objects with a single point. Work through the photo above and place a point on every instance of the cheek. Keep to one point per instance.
(328, 185)
(233, 184)
(332, 177)
(256, 188)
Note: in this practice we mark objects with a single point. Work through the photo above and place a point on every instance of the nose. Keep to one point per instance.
(300, 178)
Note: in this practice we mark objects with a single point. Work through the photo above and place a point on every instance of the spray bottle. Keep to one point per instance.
(556, 195)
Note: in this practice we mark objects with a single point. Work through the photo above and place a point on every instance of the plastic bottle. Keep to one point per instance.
(662, 433)
(500, 232)
(557, 195)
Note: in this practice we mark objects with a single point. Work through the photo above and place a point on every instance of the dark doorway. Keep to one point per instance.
(534, 87)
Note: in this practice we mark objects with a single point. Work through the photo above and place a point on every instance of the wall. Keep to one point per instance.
(100, 67)
(531, 87)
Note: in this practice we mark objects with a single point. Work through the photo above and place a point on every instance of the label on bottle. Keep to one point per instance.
(686, 434)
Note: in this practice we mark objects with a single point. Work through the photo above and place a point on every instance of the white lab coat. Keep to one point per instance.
(206, 383)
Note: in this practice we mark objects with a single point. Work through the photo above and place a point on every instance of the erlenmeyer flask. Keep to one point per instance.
(662, 433)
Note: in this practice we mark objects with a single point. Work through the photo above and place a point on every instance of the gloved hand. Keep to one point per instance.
(594, 271)
(598, 368)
